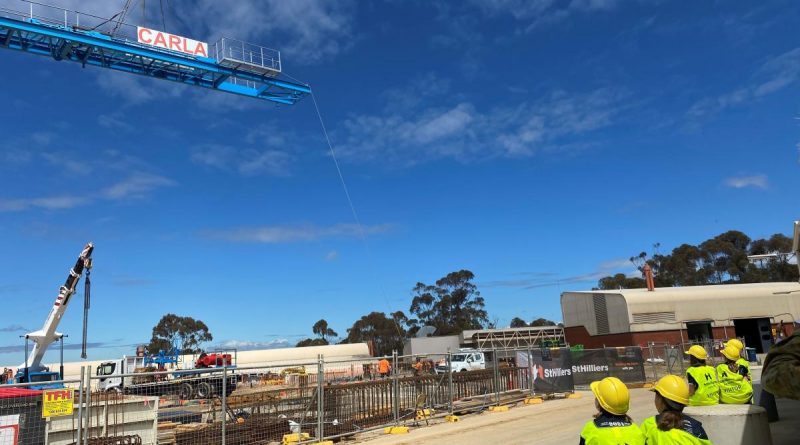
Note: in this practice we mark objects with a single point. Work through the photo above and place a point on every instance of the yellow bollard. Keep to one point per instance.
(452, 418)
(294, 438)
(395, 430)
(498, 408)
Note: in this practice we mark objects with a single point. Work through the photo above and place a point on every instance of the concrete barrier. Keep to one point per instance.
(733, 424)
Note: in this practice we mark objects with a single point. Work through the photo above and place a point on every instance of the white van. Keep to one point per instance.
(464, 360)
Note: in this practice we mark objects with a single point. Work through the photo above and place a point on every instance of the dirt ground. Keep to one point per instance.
(554, 422)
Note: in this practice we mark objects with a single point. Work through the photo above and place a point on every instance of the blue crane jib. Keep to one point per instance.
(229, 65)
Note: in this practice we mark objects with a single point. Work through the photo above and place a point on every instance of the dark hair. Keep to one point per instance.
(696, 361)
(672, 416)
(603, 412)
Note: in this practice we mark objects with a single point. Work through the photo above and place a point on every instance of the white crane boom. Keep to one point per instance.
(47, 335)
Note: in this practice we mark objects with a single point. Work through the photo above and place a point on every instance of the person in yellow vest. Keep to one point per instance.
(611, 425)
(670, 426)
(734, 385)
(735, 342)
(703, 384)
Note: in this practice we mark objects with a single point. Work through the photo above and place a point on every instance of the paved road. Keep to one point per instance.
(554, 422)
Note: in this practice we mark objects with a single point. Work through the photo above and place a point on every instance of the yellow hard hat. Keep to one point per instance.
(730, 352)
(697, 352)
(612, 395)
(673, 388)
(735, 342)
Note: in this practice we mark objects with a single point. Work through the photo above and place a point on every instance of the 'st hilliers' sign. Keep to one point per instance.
(172, 42)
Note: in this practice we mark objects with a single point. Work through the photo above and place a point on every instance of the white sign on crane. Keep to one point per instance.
(172, 42)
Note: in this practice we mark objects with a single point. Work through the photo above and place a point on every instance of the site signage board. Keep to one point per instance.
(172, 42)
(57, 402)
(551, 368)
(627, 364)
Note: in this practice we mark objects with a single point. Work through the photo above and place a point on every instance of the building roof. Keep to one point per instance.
(664, 308)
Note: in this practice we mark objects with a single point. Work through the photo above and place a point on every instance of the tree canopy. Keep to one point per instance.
(517, 322)
(184, 333)
(385, 333)
(323, 332)
(452, 305)
(722, 259)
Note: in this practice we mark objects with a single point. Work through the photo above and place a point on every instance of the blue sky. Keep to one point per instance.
(537, 143)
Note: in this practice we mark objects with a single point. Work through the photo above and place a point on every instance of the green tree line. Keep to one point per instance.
(722, 259)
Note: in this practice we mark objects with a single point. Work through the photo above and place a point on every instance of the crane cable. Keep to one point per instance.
(361, 233)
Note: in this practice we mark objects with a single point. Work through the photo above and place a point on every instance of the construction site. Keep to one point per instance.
(511, 385)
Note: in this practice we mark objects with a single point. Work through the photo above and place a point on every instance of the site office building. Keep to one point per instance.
(678, 315)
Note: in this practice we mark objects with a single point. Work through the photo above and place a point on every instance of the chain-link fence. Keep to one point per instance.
(322, 399)
(665, 358)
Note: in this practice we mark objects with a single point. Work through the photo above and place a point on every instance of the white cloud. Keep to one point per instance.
(775, 75)
(247, 162)
(423, 130)
(71, 164)
(547, 279)
(137, 185)
(113, 121)
(332, 256)
(137, 90)
(47, 203)
(754, 181)
(246, 345)
(291, 234)
(535, 13)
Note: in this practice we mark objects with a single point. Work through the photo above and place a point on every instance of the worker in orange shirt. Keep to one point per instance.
(384, 368)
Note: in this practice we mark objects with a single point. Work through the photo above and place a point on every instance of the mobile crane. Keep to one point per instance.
(32, 371)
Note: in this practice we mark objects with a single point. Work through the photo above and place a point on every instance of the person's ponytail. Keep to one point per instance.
(670, 419)
(672, 416)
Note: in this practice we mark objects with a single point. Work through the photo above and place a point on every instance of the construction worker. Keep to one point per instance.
(384, 368)
(611, 425)
(417, 366)
(734, 385)
(703, 383)
(736, 343)
(670, 426)
(781, 373)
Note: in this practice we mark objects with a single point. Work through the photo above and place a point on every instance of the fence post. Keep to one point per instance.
(395, 392)
(653, 360)
(224, 402)
(88, 407)
(80, 402)
(496, 377)
(449, 381)
(530, 370)
(320, 398)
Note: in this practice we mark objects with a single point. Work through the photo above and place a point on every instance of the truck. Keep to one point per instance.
(464, 360)
(203, 380)
(33, 371)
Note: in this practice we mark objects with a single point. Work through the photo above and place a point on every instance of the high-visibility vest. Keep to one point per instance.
(733, 387)
(707, 392)
(624, 434)
(675, 436)
(746, 364)
(383, 366)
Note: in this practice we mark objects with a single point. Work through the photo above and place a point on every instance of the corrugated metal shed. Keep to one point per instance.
(637, 310)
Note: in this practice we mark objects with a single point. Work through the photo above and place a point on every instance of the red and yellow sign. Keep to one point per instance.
(57, 402)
